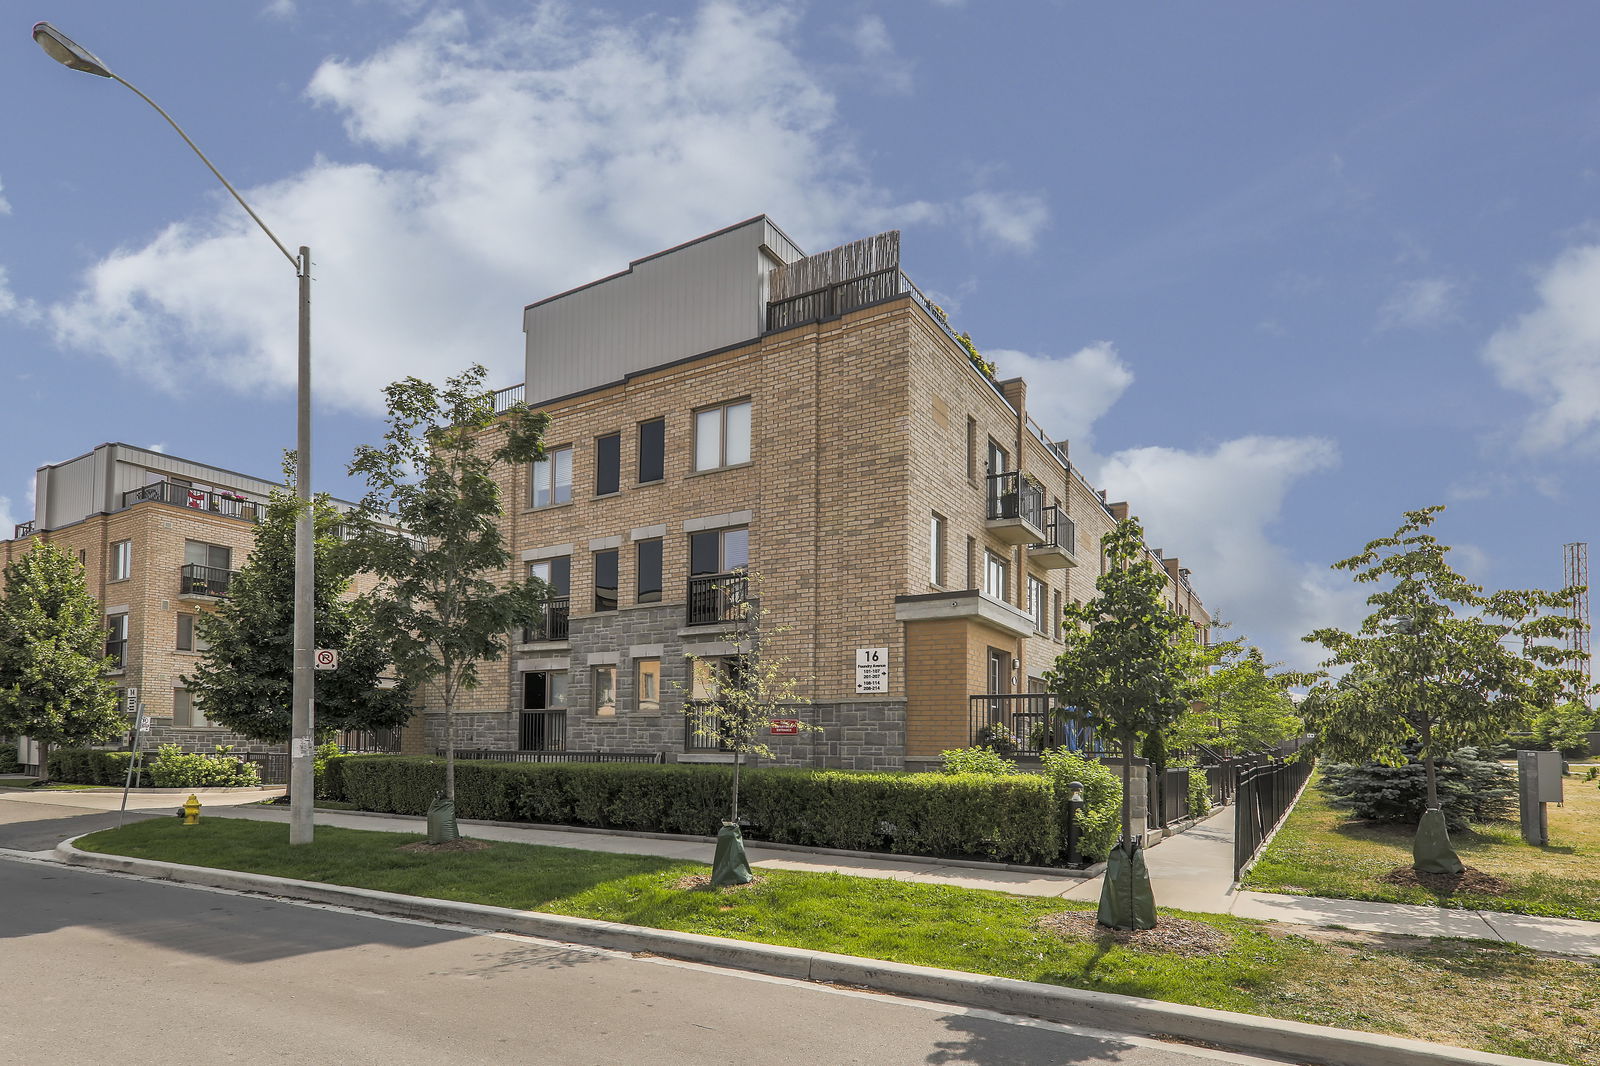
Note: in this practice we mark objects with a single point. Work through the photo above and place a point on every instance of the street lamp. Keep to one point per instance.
(69, 53)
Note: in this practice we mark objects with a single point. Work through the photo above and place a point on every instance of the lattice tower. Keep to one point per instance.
(1576, 558)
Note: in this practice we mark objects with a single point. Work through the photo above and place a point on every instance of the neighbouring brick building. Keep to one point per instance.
(160, 539)
(732, 407)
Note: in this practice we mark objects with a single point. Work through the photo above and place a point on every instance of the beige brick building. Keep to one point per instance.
(160, 539)
(731, 406)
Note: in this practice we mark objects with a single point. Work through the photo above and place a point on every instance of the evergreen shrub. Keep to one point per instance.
(1471, 789)
(176, 768)
(1102, 794)
(88, 766)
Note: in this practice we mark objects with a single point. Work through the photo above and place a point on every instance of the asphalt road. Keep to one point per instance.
(102, 968)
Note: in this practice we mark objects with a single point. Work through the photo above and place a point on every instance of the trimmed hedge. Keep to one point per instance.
(86, 766)
(1004, 819)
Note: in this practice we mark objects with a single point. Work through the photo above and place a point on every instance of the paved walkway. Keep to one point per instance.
(1191, 871)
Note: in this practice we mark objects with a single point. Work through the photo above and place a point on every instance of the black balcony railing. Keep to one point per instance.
(1026, 723)
(543, 731)
(1013, 496)
(702, 728)
(835, 299)
(117, 652)
(718, 598)
(24, 529)
(1059, 530)
(507, 398)
(554, 624)
(228, 504)
(197, 580)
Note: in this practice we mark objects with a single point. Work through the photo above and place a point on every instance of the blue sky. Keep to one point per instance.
(1278, 272)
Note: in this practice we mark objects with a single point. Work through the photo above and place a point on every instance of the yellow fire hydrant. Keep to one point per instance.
(191, 810)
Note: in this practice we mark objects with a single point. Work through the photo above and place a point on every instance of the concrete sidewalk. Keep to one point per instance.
(1191, 871)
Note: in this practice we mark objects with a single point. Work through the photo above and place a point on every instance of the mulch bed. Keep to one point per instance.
(461, 844)
(1469, 880)
(702, 883)
(1178, 936)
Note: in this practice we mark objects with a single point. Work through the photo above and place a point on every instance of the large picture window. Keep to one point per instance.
(722, 436)
(552, 478)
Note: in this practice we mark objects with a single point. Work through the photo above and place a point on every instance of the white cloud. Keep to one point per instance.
(159, 446)
(1067, 395)
(5, 205)
(8, 521)
(1419, 304)
(12, 305)
(1011, 219)
(876, 52)
(1552, 353)
(1215, 509)
(520, 156)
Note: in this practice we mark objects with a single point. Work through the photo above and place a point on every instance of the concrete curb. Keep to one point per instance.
(1295, 1041)
(1086, 873)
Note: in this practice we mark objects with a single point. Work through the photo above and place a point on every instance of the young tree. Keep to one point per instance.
(442, 604)
(1124, 671)
(1243, 705)
(1436, 664)
(53, 659)
(742, 695)
(245, 677)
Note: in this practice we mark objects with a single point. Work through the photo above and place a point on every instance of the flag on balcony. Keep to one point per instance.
(197, 499)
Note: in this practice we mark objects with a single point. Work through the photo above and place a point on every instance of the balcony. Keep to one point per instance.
(718, 599)
(1058, 548)
(204, 582)
(1016, 509)
(1024, 723)
(542, 731)
(24, 529)
(554, 624)
(230, 505)
(700, 724)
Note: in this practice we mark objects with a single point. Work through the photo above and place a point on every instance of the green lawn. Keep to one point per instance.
(15, 782)
(1322, 851)
(1429, 990)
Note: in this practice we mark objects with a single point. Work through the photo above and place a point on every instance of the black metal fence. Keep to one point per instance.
(273, 766)
(557, 609)
(560, 756)
(1168, 797)
(715, 598)
(832, 300)
(1029, 720)
(1013, 496)
(701, 728)
(369, 741)
(197, 580)
(542, 731)
(223, 503)
(1265, 793)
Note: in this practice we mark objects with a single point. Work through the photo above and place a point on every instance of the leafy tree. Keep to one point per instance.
(442, 605)
(245, 678)
(1564, 728)
(53, 659)
(1122, 669)
(1435, 665)
(1243, 705)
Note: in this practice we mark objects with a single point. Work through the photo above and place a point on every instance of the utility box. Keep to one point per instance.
(1538, 783)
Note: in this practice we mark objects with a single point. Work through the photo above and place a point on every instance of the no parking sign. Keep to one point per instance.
(326, 659)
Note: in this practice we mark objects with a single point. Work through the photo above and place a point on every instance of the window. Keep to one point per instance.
(936, 540)
(652, 450)
(552, 478)
(199, 553)
(608, 464)
(722, 436)
(605, 580)
(117, 640)
(972, 449)
(647, 691)
(555, 572)
(718, 551)
(1039, 604)
(544, 690)
(997, 458)
(185, 713)
(121, 560)
(605, 691)
(972, 564)
(647, 570)
(711, 673)
(83, 557)
(1058, 615)
(189, 638)
(996, 576)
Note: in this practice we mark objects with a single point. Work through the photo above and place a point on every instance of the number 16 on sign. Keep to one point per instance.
(872, 669)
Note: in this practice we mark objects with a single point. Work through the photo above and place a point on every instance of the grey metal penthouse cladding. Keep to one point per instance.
(707, 294)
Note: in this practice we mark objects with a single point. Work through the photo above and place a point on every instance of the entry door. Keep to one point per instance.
(999, 671)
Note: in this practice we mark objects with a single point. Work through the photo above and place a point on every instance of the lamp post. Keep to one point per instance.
(70, 54)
